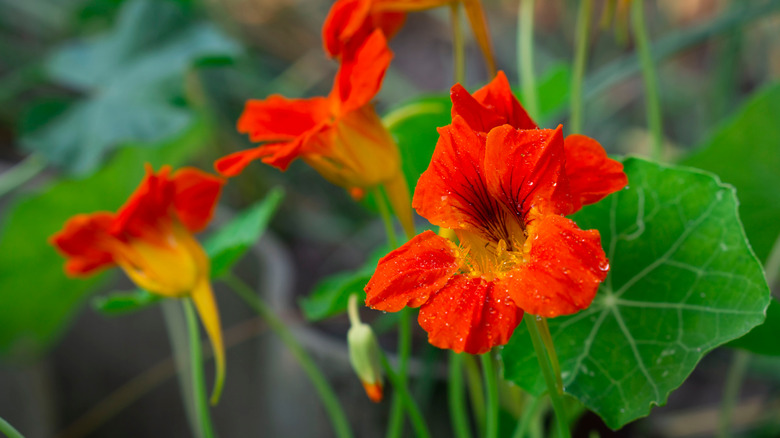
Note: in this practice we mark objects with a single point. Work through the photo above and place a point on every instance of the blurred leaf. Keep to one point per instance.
(553, 90)
(120, 303)
(226, 246)
(763, 339)
(329, 298)
(37, 298)
(131, 78)
(683, 280)
(744, 153)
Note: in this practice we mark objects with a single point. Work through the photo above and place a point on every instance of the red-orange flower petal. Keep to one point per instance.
(564, 269)
(592, 175)
(84, 240)
(360, 77)
(410, 274)
(452, 193)
(350, 22)
(195, 197)
(526, 169)
(491, 106)
(470, 314)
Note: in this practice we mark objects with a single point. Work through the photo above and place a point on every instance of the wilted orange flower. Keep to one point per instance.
(503, 186)
(350, 22)
(340, 135)
(150, 238)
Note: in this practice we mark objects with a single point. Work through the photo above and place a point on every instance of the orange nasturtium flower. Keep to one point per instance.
(350, 22)
(503, 186)
(341, 135)
(150, 238)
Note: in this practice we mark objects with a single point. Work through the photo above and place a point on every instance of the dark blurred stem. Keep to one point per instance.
(555, 391)
(525, 56)
(395, 425)
(476, 392)
(531, 410)
(398, 381)
(198, 377)
(731, 392)
(458, 47)
(22, 172)
(582, 35)
(652, 99)
(387, 218)
(457, 403)
(491, 395)
(327, 395)
(8, 430)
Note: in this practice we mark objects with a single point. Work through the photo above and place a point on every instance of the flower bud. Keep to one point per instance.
(364, 356)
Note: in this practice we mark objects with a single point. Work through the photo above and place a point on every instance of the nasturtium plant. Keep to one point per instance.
(224, 247)
(683, 280)
(132, 79)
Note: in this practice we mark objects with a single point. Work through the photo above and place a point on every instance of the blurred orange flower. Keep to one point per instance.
(350, 22)
(340, 135)
(503, 186)
(150, 238)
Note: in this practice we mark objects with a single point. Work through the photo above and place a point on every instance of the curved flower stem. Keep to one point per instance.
(198, 378)
(327, 395)
(387, 218)
(525, 56)
(650, 77)
(458, 414)
(731, 392)
(458, 47)
(8, 430)
(491, 391)
(395, 425)
(530, 411)
(415, 415)
(555, 392)
(582, 35)
(544, 331)
(21, 173)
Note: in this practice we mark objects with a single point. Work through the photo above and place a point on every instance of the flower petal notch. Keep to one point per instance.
(502, 185)
(340, 135)
(151, 238)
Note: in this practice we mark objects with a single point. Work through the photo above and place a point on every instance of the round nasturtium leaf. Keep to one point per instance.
(683, 280)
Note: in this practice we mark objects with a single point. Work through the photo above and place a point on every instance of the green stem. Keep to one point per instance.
(491, 392)
(8, 430)
(580, 58)
(457, 403)
(530, 412)
(21, 173)
(329, 400)
(396, 422)
(652, 98)
(198, 378)
(458, 47)
(476, 393)
(525, 56)
(731, 392)
(387, 218)
(544, 363)
(407, 402)
(544, 331)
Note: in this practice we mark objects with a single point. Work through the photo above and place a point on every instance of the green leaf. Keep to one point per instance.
(683, 280)
(329, 298)
(763, 339)
(37, 298)
(120, 303)
(226, 246)
(131, 78)
(744, 153)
